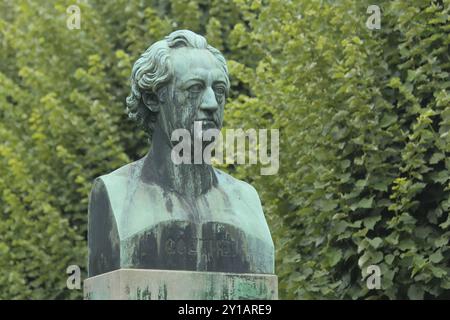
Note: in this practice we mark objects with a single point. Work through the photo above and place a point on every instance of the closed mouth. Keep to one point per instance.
(207, 121)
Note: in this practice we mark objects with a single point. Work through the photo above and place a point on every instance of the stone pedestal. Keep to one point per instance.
(144, 284)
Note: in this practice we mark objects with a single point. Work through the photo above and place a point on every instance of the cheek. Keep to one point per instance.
(220, 100)
(185, 101)
(182, 109)
(221, 112)
(179, 99)
(194, 100)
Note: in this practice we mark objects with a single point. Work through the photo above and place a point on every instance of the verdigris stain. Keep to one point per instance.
(156, 214)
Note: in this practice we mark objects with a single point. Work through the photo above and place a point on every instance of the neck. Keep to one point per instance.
(189, 180)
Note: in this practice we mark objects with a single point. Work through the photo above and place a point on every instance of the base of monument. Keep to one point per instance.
(143, 284)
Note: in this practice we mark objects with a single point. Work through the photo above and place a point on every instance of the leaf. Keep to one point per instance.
(389, 258)
(436, 257)
(437, 157)
(445, 224)
(327, 205)
(415, 292)
(366, 203)
(370, 222)
(369, 258)
(438, 273)
(375, 242)
(388, 119)
(333, 257)
(406, 244)
(441, 242)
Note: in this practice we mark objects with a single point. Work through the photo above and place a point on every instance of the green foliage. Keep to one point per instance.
(62, 122)
(364, 121)
(363, 116)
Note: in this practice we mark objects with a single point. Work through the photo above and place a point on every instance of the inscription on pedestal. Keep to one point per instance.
(182, 245)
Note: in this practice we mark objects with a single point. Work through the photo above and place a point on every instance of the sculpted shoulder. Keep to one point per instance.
(118, 180)
(238, 187)
(117, 183)
(125, 171)
(122, 175)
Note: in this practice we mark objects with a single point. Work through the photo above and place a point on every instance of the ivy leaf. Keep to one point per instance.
(437, 157)
(389, 258)
(370, 222)
(364, 203)
(415, 292)
(436, 257)
(333, 257)
(375, 242)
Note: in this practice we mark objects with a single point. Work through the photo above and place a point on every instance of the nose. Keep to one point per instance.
(209, 102)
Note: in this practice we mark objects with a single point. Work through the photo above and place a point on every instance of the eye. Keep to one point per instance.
(220, 90)
(196, 88)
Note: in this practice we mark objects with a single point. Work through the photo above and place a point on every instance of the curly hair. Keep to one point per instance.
(153, 70)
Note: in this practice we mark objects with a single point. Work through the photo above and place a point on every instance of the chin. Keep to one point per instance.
(209, 125)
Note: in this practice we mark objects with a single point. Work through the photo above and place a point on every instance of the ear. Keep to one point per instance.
(151, 101)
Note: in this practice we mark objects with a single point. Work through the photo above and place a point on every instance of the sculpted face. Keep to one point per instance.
(197, 92)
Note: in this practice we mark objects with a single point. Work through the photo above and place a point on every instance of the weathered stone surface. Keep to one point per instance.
(138, 284)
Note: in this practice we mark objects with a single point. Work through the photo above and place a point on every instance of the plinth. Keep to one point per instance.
(144, 284)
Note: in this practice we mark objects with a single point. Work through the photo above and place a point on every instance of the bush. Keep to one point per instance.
(63, 122)
(364, 122)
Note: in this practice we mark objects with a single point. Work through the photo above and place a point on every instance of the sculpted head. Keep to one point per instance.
(177, 81)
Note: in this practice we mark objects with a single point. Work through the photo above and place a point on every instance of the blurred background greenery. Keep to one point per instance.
(364, 124)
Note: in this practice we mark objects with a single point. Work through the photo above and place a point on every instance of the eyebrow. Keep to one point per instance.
(198, 75)
(219, 82)
(193, 79)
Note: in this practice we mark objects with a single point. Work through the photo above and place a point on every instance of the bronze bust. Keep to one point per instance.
(154, 214)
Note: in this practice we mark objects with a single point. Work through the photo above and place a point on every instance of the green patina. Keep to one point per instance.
(211, 291)
(193, 216)
(164, 284)
(143, 294)
(237, 288)
(244, 288)
(162, 293)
